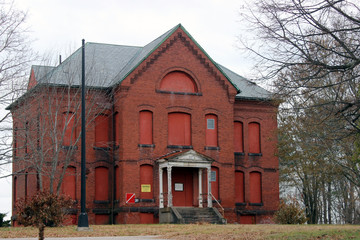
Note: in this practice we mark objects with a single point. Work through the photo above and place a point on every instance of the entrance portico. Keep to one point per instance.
(189, 159)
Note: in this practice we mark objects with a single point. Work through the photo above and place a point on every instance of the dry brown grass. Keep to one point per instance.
(198, 231)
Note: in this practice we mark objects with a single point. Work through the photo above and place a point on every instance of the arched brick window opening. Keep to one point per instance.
(215, 182)
(178, 81)
(146, 127)
(146, 181)
(69, 182)
(179, 129)
(26, 185)
(238, 137)
(101, 184)
(255, 187)
(211, 138)
(32, 183)
(254, 137)
(239, 187)
(69, 129)
(102, 131)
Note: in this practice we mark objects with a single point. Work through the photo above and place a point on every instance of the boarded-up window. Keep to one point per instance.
(146, 127)
(102, 131)
(146, 182)
(238, 137)
(254, 137)
(211, 138)
(101, 184)
(239, 187)
(69, 126)
(69, 183)
(255, 187)
(178, 82)
(146, 218)
(101, 219)
(215, 184)
(179, 129)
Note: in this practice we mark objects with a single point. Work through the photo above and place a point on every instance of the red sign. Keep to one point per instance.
(130, 198)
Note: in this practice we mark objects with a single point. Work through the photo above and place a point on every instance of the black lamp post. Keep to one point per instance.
(83, 222)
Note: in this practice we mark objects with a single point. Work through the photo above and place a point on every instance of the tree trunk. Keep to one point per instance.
(41, 232)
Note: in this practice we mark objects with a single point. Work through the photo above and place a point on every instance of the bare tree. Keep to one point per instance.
(15, 56)
(303, 42)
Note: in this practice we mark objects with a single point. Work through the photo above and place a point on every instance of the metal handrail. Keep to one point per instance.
(222, 209)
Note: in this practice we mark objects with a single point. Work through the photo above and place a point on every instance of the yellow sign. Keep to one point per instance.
(145, 187)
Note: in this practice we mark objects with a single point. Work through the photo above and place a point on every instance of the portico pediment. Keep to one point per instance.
(190, 158)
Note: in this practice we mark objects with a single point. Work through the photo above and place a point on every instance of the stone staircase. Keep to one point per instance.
(188, 215)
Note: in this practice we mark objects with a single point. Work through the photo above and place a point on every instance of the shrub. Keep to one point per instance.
(41, 210)
(290, 212)
(4, 223)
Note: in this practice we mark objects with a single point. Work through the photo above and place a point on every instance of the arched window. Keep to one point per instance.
(239, 187)
(215, 182)
(69, 128)
(255, 187)
(238, 137)
(211, 139)
(146, 127)
(146, 181)
(69, 183)
(178, 82)
(102, 131)
(179, 129)
(254, 137)
(101, 184)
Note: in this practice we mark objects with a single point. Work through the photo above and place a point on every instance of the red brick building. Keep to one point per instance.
(167, 127)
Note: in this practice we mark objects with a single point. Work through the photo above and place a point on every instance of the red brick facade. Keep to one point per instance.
(121, 159)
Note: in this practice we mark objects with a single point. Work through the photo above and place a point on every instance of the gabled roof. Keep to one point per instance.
(107, 65)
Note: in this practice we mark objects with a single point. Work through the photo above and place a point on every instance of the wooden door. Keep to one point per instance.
(182, 187)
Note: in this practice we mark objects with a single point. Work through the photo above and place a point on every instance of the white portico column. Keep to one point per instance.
(209, 200)
(169, 187)
(200, 189)
(161, 195)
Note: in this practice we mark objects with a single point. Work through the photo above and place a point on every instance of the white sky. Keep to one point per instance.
(59, 25)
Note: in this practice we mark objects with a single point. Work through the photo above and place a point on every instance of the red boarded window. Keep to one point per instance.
(215, 182)
(146, 181)
(254, 137)
(239, 187)
(211, 138)
(238, 137)
(102, 131)
(101, 184)
(69, 126)
(69, 183)
(179, 129)
(178, 82)
(255, 187)
(146, 127)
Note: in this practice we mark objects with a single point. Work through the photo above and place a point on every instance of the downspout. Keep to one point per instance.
(113, 158)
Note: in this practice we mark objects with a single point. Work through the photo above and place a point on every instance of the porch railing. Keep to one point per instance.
(222, 209)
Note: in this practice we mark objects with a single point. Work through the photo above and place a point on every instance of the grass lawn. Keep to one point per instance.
(198, 231)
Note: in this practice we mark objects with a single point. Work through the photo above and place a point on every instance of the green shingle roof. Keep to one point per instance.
(107, 65)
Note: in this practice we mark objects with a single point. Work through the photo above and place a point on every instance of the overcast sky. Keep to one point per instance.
(58, 26)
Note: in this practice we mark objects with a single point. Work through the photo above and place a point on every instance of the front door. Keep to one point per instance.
(182, 187)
